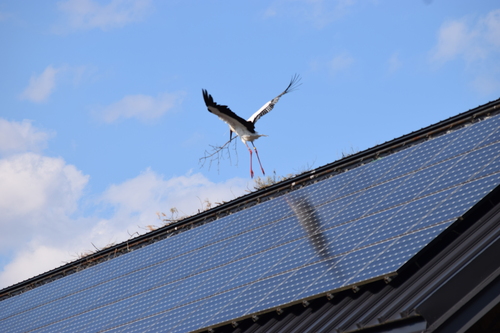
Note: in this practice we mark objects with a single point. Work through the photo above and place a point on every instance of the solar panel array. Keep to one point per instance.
(354, 227)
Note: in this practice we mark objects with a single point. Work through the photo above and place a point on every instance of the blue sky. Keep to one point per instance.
(102, 121)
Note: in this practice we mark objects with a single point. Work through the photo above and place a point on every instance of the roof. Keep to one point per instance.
(381, 232)
(447, 292)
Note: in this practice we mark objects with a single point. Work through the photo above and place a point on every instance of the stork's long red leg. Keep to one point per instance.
(258, 158)
(250, 150)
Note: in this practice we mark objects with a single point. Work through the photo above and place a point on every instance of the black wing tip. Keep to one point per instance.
(294, 83)
(205, 93)
(207, 98)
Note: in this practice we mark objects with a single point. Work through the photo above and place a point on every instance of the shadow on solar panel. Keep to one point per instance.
(309, 221)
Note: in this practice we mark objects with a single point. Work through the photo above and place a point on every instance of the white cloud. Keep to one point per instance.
(477, 44)
(35, 188)
(472, 41)
(454, 38)
(88, 14)
(185, 193)
(38, 196)
(42, 201)
(30, 262)
(21, 137)
(142, 107)
(40, 87)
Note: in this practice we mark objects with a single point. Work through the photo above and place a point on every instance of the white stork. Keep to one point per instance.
(245, 129)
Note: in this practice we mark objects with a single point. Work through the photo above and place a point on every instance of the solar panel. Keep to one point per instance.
(357, 226)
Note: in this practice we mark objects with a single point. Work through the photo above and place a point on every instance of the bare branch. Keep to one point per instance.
(218, 153)
(132, 235)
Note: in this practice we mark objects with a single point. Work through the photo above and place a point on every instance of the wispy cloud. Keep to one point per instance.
(21, 136)
(89, 14)
(142, 107)
(337, 65)
(487, 83)
(476, 43)
(455, 38)
(340, 63)
(394, 63)
(320, 13)
(472, 41)
(492, 24)
(41, 86)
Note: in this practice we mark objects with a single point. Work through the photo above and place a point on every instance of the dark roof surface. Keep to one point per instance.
(360, 224)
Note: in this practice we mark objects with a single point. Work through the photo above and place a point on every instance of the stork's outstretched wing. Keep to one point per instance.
(225, 114)
(294, 83)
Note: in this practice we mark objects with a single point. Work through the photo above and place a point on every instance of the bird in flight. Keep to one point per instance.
(245, 129)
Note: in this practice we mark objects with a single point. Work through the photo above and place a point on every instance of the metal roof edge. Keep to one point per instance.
(470, 271)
